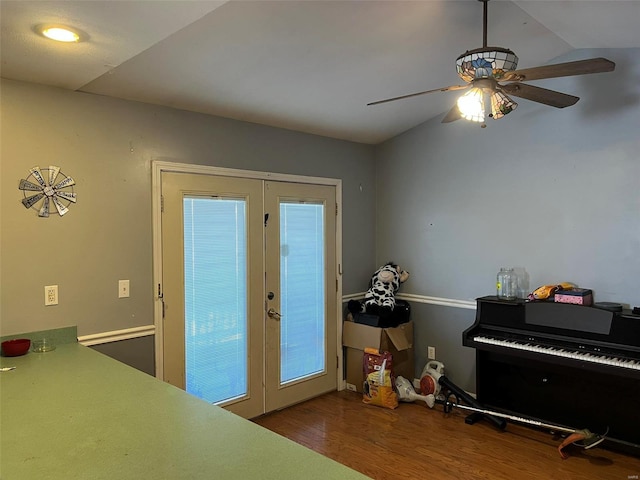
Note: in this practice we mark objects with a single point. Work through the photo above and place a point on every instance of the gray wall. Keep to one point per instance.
(107, 146)
(553, 191)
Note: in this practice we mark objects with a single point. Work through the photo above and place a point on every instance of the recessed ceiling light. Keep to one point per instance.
(60, 33)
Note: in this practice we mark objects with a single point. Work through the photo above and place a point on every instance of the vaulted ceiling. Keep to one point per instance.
(310, 66)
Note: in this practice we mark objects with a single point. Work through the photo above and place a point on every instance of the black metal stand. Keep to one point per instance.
(498, 422)
(473, 418)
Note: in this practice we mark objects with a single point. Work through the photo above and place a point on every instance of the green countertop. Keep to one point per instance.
(74, 413)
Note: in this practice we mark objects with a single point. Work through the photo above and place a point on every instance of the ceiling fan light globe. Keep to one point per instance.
(501, 105)
(471, 105)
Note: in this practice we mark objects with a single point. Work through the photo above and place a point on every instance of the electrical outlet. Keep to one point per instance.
(431, 353)
(51, 295)
(123, 288)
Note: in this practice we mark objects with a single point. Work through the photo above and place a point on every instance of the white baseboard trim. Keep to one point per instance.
(116, 335)
(410, 297)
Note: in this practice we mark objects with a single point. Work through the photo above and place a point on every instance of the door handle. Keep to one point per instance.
(271, 313)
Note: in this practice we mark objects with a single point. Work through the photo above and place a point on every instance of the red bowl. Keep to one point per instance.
(15, 348)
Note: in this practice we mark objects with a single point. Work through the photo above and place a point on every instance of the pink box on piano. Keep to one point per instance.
(577, 296)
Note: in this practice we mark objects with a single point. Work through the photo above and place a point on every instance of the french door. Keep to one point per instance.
(249, 290)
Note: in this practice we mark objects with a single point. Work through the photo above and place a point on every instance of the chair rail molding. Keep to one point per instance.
(410, 297)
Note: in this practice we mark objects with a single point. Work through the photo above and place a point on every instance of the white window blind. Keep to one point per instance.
(302, 290)
(215, 273)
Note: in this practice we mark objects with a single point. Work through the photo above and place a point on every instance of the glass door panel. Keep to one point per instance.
(302, 291)
(215, 293)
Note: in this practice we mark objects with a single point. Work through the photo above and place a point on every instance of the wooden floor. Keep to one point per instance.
(415, 442)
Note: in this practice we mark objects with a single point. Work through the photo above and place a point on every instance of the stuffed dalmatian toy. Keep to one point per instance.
(380, 298)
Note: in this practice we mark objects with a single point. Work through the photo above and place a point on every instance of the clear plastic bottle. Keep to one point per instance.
(507, 284)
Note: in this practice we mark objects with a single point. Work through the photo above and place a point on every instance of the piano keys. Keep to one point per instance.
(560, 363)
(580, 354)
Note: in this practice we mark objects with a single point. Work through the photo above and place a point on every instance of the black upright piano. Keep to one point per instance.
(563, 364)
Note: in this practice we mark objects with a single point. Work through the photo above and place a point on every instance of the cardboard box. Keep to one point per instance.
(356, 337)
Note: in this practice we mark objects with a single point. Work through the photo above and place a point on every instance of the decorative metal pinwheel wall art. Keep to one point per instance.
(61, 194)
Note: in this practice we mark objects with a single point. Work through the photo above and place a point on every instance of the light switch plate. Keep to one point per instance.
(123, 288)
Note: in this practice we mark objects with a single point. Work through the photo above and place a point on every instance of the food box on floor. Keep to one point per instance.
(398, 341)
(578, 296)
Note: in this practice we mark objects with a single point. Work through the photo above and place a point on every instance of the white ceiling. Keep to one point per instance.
(310, 66)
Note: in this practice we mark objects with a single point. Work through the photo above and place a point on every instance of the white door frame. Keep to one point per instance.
(159, 166)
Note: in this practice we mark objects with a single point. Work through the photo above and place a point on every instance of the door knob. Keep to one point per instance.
(271, 313)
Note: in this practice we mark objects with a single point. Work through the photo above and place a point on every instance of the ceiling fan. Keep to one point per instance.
(485, 69)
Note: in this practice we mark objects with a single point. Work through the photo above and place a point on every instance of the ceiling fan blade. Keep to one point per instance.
(540, 95)
(443, 89)
(452, 115)
(568, 69)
